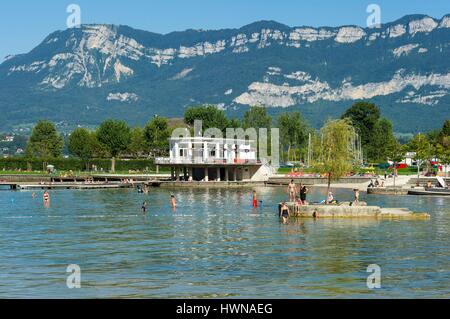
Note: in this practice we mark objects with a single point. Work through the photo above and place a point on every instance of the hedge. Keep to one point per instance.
(66, 164)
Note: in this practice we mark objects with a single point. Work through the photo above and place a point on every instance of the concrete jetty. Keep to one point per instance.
(344, 210)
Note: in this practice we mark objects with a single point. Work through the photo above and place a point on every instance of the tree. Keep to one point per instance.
(422, 147)
(364, 116)
(83, 144)
(446, 129)
(157, 134)
(293, 130)
(443, 151)
(115, 136)
(257, 118)
(45, 142)
(138, 144)
(333, 154)
(210, 115)
(396, 153)
(382, 138)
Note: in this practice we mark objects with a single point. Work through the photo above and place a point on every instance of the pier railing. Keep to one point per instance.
(208, 161)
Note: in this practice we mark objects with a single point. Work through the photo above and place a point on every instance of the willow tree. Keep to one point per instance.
(334, 149)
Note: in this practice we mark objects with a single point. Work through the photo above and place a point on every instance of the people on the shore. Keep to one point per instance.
(303, 192)
(330, 198)
(255, 200)
(356, 192)
(284, 213)
(292, 191)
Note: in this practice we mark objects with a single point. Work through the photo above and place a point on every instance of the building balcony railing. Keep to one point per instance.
(209, 161)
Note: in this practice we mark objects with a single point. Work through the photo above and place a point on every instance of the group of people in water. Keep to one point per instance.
(173, 204)
(297, 196)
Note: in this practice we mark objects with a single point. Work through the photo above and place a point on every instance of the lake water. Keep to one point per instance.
(215, 246)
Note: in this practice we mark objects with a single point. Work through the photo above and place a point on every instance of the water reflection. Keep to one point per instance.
(215, 245)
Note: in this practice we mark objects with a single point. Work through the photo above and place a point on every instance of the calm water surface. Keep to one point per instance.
(215, 246)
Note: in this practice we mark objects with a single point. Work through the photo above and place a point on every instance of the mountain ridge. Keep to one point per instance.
(112, 69)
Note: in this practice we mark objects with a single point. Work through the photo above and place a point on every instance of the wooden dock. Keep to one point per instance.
(58, 186)
(344, 210)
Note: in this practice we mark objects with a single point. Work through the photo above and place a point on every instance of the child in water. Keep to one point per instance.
(255, 200)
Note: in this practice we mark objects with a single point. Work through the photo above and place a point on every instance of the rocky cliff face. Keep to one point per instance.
(98, 69)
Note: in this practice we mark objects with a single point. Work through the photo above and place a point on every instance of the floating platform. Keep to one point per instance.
(344, 210)
(387, 190)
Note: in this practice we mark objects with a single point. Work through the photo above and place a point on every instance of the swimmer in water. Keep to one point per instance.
(173, 201)
(144, 207)
(33, 195)
(46, 198)
(255, 200)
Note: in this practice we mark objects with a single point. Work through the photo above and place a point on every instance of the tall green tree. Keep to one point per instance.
(45, 142)
(138, 144)
(382, 139)
(446, 128)
(364, 117)
(257, 117)
(443, 152)
(115, 136)
(157, 134)
(83, 144)
(396, 153)
(423, 149)
(293, 130)
(210, 115)
(333, 154)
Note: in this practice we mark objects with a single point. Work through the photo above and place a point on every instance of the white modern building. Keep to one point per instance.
(211, 159)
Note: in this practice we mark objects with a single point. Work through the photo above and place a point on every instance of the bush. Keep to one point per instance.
(74, 164)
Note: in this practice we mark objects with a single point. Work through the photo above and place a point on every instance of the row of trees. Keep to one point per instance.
(112, 138)
(115, 138)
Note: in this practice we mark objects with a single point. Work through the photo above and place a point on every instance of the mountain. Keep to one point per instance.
(84, 75)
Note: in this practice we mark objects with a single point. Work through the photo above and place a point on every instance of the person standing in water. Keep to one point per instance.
(46, 198)
(255, 200)
(292, 190)
(144, 207)
(284, 213)
(173, 201)
(303, 192)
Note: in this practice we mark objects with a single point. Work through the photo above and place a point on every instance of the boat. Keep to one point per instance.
(433, 191)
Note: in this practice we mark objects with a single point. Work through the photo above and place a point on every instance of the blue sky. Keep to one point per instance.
(24, 23)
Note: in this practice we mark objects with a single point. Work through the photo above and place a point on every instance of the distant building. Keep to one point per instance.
(409, 159)
(20, 151)
(211, 159)
(8, 138)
